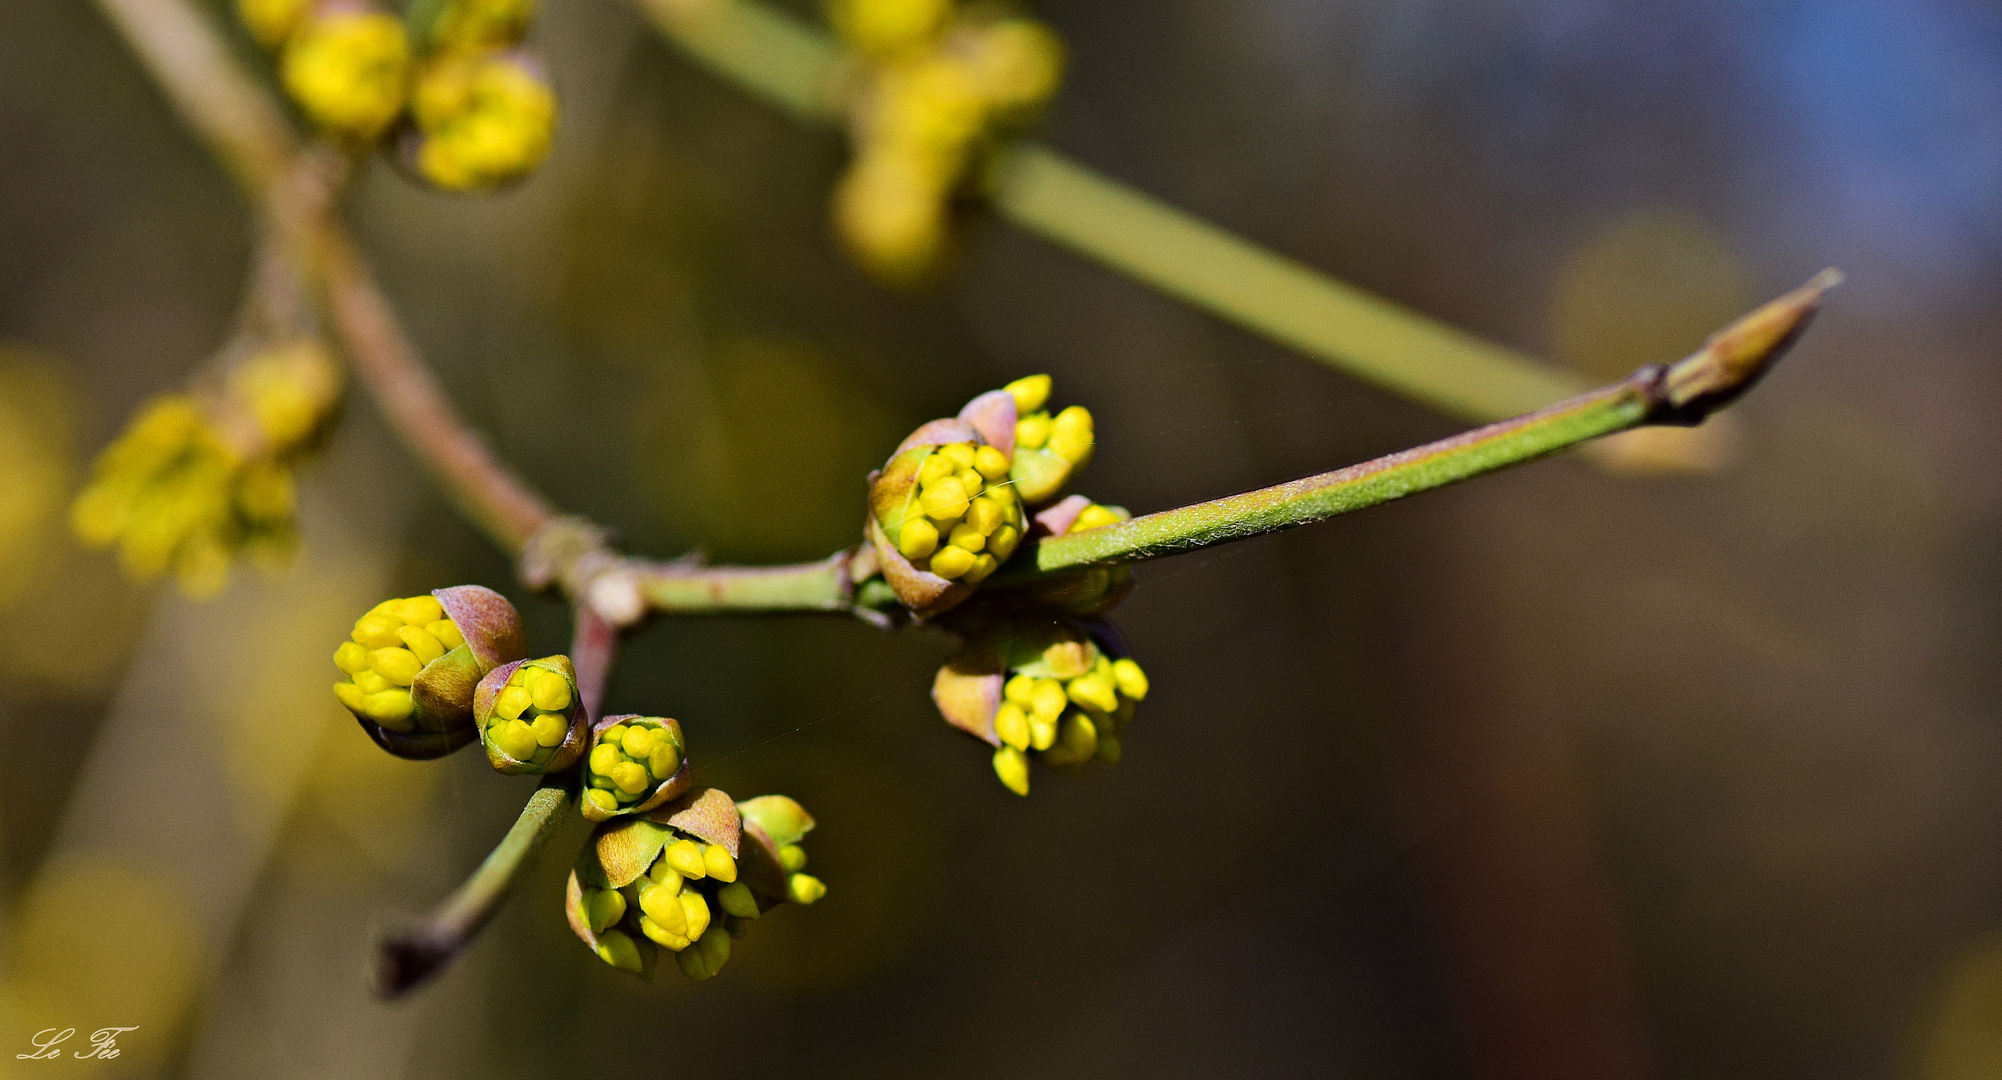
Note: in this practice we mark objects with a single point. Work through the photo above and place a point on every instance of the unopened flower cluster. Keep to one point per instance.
(469, 108)
(935, 87)
(665, 867)
(198, 478)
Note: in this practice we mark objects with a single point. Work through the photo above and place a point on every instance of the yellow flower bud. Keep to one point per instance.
(398, 665)
(1013, 769)
(601, 800)
(1011, 725)
(944, 499)
(351, 657)
(696, 909)
(1048, 699)
(618, 950)
(792, 857)
(1021, 690)
(512, 701)
(918, 539)
(516, 739)
(663, 905)
(1092, 517)
(631, 777)
(1003, 542)
(390, 708)
(951, 562)
(348, 71)
(1029, 392)
(447, 634)
(1094, 691)
(550, 730)
(1072, 435)
(665, 760)
(804, 888)
(717, 861)
(967, 536)
(937, 466)
(270, 22)
(1132, 681)
(549, 690)
(421, 644)
(990, 463)
(604, 758)
(1032, 432)
(685, 856)
(960, 456)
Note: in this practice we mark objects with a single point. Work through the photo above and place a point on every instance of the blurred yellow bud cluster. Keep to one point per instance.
(484, 117)
(480, 110)
(529, 715)
(689, 878)
(936, 86)
(197, 478)
(632, 765)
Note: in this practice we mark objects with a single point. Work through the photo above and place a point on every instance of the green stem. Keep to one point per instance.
(1684, 394)
(814, 586)
(792, 65)
(408, 958)
(1315, 498)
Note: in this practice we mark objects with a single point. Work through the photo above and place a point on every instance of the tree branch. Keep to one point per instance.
(1680, 394)
(408, 957)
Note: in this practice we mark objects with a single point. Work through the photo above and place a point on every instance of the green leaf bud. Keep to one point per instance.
(635, 764)
(413, 664)
(529, 716)
(348, 67)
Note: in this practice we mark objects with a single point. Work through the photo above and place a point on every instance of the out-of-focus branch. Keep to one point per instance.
(795, 67)
(217, 96)
(409, 395)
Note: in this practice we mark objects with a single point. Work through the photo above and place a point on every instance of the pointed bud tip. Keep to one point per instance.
(1735, 357)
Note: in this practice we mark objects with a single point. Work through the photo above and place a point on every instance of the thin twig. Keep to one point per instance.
(409, 956)
(1680, 394)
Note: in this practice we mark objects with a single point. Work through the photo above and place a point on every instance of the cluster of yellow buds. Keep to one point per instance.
(937, 85)
(199, 477)
(529, 716)
(950, 506)
(688, 877)
(1057, 693)
(483, 117)
(961, 518)
(635, 764)
(413, 665)
(480, 108)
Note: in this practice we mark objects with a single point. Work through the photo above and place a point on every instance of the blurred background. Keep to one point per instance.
(1555, 774)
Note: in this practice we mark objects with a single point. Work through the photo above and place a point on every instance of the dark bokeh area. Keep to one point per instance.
(1554, 774)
